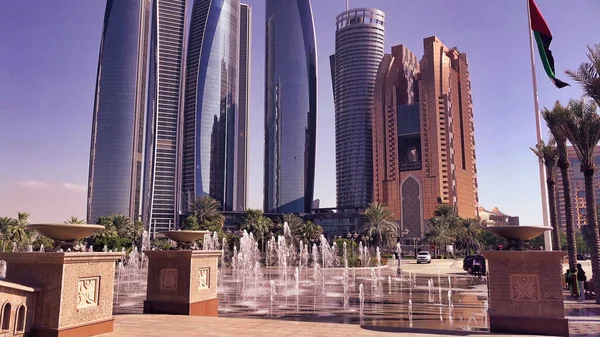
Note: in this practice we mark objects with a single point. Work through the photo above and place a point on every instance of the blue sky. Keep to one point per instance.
(49, 52)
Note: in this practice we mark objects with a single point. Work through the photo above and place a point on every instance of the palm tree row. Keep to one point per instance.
(446, 228)
(578, 123)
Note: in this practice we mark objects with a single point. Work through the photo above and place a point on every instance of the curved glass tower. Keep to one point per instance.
(290, 106)
(358, 53)
(116, 151)
(211, 102)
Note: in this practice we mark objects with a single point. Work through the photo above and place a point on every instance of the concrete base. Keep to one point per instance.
(76, 290)
(92, 329)
(529, 325)
(526, 293)
(182, 282)
(203, 308)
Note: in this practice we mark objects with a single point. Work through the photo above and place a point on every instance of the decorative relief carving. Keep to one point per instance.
(87, 292)
(204, 278)
(524, 287)
(168, 279)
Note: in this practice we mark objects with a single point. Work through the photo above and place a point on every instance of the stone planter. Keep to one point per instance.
(526, 293)
(76, 290)
(182, 282)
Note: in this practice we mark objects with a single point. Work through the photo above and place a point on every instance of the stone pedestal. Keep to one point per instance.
(182, 282)
(76, 290)
(526, 293)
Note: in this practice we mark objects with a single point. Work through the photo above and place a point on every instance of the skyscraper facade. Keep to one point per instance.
(163, 123)
(211, 107)
(116, 151)
(359, 49)
(579, 211)
(242, 124)
(423, 135)
(290, 106)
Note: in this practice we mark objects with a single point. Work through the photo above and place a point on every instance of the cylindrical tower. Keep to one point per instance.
(359, 50)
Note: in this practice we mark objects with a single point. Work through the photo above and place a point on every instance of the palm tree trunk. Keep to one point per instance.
(590, 205)
(571, 244)
(551, 184)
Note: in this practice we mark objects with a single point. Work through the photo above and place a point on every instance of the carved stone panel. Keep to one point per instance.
(525, 287)
(168, 279)
(204, 278)
(87, 292)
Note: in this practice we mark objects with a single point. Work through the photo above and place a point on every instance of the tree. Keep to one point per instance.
(379, 224)
(583, 131)
(256, 223)
(310, 232)
(442, 227)
(295, 223)
(190, 223)
(549, 155)
(74, 220)
(18, 232)
(467, 235)
(208, 211)
(588, 74)
(556, 120)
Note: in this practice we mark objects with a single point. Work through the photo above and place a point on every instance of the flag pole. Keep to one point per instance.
(538, 129)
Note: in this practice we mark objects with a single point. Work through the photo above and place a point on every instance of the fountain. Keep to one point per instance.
(184, 281)
(538, 286)
(69, 282)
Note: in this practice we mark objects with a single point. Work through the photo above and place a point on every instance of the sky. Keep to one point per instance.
(49, 54)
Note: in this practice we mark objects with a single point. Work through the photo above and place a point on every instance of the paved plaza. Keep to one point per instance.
(184, 326)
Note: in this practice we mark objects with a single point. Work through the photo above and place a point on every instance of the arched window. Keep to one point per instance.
(5, 316)
(20, 320)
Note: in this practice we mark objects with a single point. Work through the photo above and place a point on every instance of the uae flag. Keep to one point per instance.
(543, 38)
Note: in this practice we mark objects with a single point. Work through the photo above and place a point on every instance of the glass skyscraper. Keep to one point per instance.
(116, 150)
(165, 73)
(213, 118)
(290, 106)
(358, 53)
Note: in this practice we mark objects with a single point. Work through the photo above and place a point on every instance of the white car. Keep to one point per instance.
(424, 257)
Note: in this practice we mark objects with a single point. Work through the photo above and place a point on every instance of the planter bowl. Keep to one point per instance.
(66, 232)
(184, 236)
(518, 233)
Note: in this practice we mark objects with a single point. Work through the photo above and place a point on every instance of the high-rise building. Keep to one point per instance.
(211, 125)
(577, 190)
(163, 123)
(423, 135)
(359, 50)
(243, 125)
(116, 151)
(290, 106)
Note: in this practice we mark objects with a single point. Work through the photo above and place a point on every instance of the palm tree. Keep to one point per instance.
(467, 234)
(556, 120)
(583, 131)
(18, 232)
(549, 154)
(442, 227)
(310, 232)
(379, 224)
(74, 220)
(588, 74)
(208, 210)
(295, 223)
(257, 224)
(123, 225)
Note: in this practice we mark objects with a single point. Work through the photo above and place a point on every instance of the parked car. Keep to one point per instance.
(474, 264)
(580, 257)
(424, 257)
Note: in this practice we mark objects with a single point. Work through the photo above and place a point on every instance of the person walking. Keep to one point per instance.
(581, 278)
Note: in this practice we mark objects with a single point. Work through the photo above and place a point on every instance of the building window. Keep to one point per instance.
(6, 309)
(20, 320)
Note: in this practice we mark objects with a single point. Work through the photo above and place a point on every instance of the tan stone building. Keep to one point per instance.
(423, 135)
